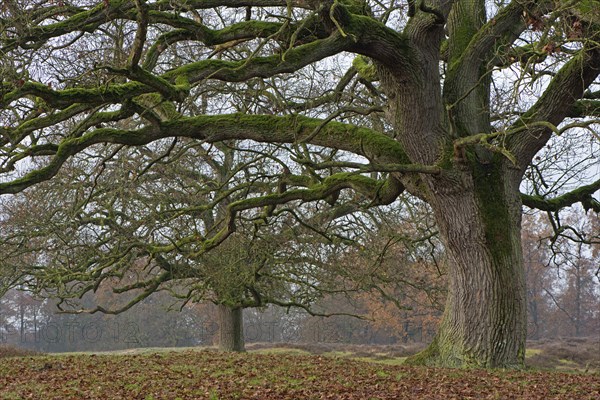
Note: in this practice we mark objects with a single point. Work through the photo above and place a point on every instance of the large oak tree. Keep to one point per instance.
(449, 76)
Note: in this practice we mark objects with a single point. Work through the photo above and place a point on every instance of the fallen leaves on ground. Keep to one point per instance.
(210, 374)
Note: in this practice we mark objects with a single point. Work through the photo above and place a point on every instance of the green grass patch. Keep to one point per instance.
(280, 350)
(341, 354)
(384, 361)
(532, 352)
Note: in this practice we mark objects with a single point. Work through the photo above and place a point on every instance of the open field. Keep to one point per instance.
(272, 374)
(568, 354)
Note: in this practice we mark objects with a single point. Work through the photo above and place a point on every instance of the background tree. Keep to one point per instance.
(104, 229)
(562, 281)
(390, 267)
(153, 324)
(538, 274)
(577, 294)
(458, 131)
(405, 264)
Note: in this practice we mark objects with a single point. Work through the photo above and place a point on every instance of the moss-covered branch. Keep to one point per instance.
(232, 71)
(500, 31)
(149, 287)
(378, 192)
(261, 128)
(114, 93)
(555, 104)
(585, 108)
(88, 20)
(16, 135)
(583, 195)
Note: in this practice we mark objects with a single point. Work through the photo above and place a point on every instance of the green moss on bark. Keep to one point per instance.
(365, 69)
(427, 357)
(493, 206)
(445, 354)
(276, 129)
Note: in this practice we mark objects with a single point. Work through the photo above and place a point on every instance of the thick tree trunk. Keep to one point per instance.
(484, 322)
(231, 328)
(475, 198)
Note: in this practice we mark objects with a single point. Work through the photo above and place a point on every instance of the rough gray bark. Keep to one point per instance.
(476, 198)
(231, 329)
(484, 322)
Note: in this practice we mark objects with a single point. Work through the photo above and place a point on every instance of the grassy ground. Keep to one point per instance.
(568, 355)
(272, 374)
